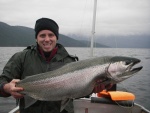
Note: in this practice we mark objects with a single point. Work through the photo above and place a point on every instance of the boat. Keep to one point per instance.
(109, 102)
(102, 105)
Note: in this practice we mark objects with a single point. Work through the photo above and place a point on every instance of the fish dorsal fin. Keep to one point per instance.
(28, 101)
(64, 104)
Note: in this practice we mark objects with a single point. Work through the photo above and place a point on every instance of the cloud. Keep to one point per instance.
(114, 17)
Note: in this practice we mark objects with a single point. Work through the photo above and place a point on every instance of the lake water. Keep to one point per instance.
(138, 84)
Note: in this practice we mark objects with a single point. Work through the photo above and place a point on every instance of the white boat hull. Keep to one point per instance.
(86, 106)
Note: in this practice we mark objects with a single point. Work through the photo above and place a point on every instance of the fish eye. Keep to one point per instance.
(127, 62)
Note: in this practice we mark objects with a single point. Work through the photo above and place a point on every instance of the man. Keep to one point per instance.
(34, 60)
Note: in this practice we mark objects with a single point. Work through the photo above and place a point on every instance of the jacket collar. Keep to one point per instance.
(57, 55)
(47, 56)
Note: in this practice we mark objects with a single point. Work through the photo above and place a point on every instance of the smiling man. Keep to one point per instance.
(33, 60)
(46, 40)
(46, 33)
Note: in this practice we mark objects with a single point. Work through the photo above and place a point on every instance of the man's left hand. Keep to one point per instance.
(100, 87)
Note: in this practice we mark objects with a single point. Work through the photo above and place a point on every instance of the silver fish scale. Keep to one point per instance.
(69, 85)
(66, 69)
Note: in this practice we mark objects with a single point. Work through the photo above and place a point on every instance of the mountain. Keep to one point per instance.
(128, 41)
(24, 36)
(15, 35)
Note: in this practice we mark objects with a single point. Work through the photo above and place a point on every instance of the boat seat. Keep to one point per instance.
(104, 100)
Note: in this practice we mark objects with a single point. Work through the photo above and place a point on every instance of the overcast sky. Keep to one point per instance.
(114, 17)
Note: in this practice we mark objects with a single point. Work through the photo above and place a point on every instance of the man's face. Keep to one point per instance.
(46, 39)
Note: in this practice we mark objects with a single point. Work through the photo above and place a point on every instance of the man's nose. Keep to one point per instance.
(47, 38)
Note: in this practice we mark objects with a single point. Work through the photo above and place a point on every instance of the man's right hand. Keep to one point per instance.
(12, 89)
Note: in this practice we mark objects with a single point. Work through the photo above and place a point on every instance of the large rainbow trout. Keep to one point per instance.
(78, 79)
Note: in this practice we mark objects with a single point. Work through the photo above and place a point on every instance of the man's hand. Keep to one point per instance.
(12, 89)
(99, 87)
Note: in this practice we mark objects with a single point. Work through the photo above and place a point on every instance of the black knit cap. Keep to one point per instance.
(46, 24)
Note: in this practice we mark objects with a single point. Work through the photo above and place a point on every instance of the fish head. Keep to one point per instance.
(122, 68)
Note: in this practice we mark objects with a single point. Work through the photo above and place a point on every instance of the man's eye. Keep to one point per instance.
(51, 35)
(42, 35)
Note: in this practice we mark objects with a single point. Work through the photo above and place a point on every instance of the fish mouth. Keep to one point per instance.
(132, 69)
(129, 63)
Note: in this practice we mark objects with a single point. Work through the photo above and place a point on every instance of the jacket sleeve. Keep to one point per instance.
(12, 70)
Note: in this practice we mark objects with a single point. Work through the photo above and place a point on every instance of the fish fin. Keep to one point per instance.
(64, 104)
(28, 101)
